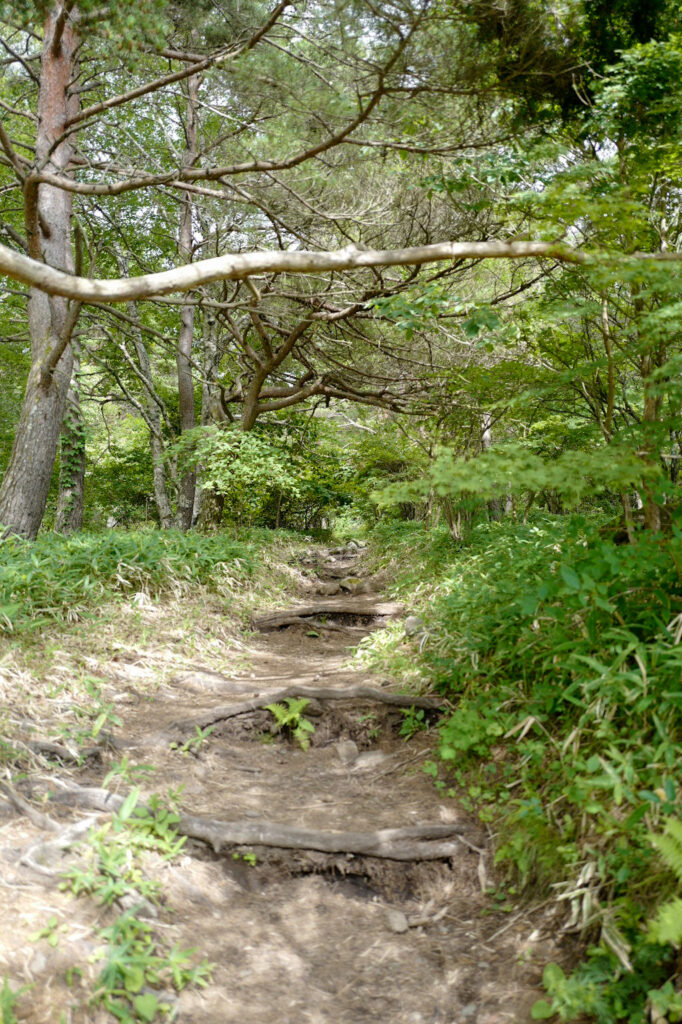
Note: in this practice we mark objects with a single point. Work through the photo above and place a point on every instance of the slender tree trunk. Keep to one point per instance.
(152, 416)
(69, 516)
(495, 506)
(652, 408)
(208, 506)
(163, 505)
(25, 486)
(187, 488)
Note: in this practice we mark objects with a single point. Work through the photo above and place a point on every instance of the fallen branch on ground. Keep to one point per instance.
(221, 714)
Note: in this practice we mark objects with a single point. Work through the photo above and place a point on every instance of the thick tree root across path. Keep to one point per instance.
(329, 885)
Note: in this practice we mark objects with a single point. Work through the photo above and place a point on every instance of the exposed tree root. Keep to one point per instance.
(220, 714)
(404, 844)
(342, 606)
(66, 755)
(412, 843)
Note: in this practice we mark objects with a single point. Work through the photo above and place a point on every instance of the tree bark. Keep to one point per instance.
(69, 516)
(208, 504)
(25, 486)
(186, 492)
(163, 505)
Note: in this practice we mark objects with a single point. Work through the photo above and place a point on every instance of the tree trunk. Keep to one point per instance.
(208, 506)
(211, 512)
(69, 516)
(495, 506)
(652, 408)
(187, 487)
(163, 505)
(26, 483)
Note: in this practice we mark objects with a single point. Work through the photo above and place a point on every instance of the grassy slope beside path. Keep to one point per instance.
(561, 650)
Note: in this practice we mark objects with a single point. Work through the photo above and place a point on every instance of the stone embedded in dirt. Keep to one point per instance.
(38, 963)
(328, 589)
(469, 1010)
(413, 625)
(347, 751)
(353, 585)
(396, 921)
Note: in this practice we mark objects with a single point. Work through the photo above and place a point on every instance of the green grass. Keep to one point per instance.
(59, 577)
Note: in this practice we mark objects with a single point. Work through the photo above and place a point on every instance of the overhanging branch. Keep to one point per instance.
(242, 265)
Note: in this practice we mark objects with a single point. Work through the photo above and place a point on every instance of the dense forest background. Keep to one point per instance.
(502, 420)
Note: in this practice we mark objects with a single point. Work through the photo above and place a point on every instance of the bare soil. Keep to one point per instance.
(300, 936)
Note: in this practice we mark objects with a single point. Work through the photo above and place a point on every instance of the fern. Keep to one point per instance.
(288, 717)
(669, 845)
(667, 924)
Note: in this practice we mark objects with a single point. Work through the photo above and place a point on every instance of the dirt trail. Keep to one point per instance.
(300, 936)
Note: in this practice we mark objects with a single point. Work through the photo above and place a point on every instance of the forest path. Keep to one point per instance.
(301, 935)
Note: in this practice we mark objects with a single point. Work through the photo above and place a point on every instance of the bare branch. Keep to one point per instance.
(239, 266)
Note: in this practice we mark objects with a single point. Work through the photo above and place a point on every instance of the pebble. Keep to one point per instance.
(469, 1010)
(413, 625)
(347, 751)
(38, 963)
(396, 921)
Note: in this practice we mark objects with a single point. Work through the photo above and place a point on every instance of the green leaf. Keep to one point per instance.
(128, 805)
(570, 577)
(134, 978)
(99, 722)
(552, 975)
(541, 1010)
(146, 1006)
(9, 612)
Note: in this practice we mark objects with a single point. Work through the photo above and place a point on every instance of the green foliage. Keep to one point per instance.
(561, 650)
(667, 925)
(112, 869)
(8, 1001)
(135, 974)
(195, 743)
(281, 473)
(600, 989)
(137, 969)
(411, 311)
(118, 478)
(414, 721)
(513, 469)
(129, 24)
(62, 577)
(289, 719)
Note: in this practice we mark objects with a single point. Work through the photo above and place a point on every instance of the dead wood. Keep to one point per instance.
(343, 606)
(412, 843)
(220, 714)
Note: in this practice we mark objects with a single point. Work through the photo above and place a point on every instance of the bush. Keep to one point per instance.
(561, 649)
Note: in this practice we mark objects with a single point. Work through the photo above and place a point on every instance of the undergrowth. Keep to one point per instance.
(62, 578)
(561, 650)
